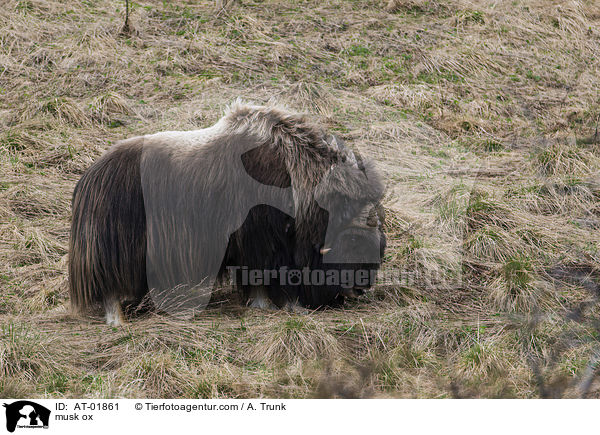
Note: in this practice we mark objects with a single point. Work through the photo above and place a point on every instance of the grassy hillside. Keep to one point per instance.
(483, 115)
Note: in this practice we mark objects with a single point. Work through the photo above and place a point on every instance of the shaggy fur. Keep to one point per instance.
(169, 213)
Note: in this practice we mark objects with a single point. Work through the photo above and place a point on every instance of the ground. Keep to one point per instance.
(482, 115)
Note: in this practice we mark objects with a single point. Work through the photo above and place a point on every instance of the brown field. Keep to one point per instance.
(483, 115)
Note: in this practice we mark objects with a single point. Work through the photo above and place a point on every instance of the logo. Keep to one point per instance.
(26, 414)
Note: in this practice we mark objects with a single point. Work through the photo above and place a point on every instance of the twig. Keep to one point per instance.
(126, 29)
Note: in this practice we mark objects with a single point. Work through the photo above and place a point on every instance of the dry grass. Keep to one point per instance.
(482, 115)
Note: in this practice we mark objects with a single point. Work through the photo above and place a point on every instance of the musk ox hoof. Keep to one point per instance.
(114, 314)
(259, 299)
(262, 304)
(295, 307)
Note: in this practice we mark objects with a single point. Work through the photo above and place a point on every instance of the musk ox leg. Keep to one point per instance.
(107, 250)
(114, 314)
(259, 298)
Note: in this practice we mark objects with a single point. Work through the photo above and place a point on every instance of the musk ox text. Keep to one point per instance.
(162, 218)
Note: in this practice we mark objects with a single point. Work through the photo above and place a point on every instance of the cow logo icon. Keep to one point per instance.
(26, 414)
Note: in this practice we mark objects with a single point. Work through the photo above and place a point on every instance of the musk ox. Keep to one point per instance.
(264, 197)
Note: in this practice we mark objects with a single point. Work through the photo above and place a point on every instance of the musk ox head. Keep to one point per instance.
(349, 227)
(264, 196)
